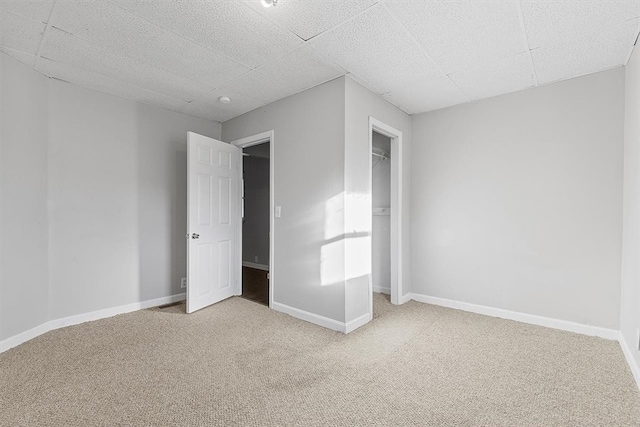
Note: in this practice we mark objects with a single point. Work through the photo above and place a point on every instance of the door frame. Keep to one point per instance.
(395, 224)
(250, 141)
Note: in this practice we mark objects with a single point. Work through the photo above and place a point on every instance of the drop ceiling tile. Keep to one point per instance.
(228, 27)
(20, 33)
(25, 58)
(302, 68)
(103, 84)
(363, 84)
(257, 86)
(598, 51)
(507, 75)
(66, 48)
(426, 95)
(109, 25)
(551, 22)
(308, 18)
(375, 50)
(38, 10)
(247, 93)
(211, 109)
(460, 34)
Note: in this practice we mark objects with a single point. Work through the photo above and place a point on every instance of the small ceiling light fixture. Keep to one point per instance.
(269, 3)
(224, 99)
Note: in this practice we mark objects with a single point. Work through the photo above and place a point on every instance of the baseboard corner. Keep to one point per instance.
(76, 319)
(631, 361)
(307, 316)
(357, 322)
(382, 290)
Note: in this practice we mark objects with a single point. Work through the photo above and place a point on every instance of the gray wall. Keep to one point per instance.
(359, 106)
(381, 233)
(118, 199)
(517, 201)
(630, 298)
(23, 198)
(255, 228)
(94, 198)
(309, 179)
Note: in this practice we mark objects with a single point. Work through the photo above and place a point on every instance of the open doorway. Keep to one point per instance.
(381, 213)
(257, 211)
(385, 146)
(255, 222)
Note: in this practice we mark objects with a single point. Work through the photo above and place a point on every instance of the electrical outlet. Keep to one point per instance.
(255, 258)
(183, 283)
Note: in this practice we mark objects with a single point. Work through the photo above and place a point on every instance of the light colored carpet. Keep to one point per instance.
(239, 363)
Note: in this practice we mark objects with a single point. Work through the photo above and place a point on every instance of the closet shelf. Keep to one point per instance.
(381, 211)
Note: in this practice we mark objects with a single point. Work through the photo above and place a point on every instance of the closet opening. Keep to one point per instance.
(381, 213)
(256, 210)
(385, 146)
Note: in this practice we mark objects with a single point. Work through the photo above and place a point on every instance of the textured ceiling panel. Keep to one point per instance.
(25, 58)
(66, 48)
(462, 34)
(598, 51)
(258, 86)
(38, 10)
(184, 54)
(211, 109)
(426, 95)
(507, 75)
(109, 25)
(228, 27)
(376, 51)
(302, 68)
(308, 18)
(103, 84)
(19, 33)
(551, 22)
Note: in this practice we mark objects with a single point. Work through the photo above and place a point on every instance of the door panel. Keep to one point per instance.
(213, 221)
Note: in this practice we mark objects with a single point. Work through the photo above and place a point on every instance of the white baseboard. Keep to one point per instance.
(381, 290)
(254, 265)
(628, 354)
(309, 317)
(532, 319)
(406, 298)
(25, 336)
(356, 323)
(84, 317)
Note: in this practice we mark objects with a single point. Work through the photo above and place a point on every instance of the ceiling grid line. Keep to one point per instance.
(273, 21)
(46, 31)
(346, 21)
(526, 43)
(97, 73)
(175, 34)
(423, 50)
(633, 46)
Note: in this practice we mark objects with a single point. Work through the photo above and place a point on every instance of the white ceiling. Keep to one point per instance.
(418, 55)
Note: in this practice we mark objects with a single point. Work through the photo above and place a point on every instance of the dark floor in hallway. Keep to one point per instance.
(255, 285)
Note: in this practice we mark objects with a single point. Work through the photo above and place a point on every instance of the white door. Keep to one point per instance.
(213, 221)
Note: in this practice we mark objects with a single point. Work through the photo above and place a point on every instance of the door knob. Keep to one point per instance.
(195, 236)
